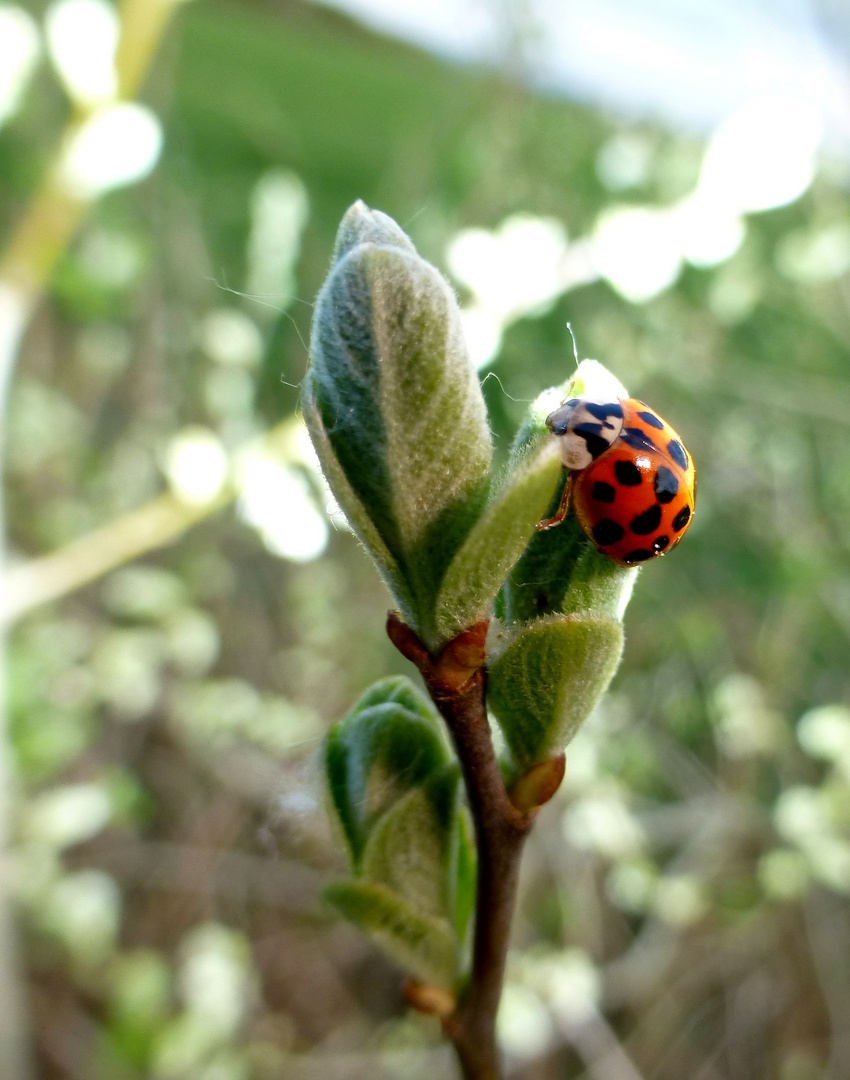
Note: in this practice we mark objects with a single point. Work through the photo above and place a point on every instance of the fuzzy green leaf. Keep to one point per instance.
(378, 753)
(497, 541)
(421, 944)
(421, 848)
(545, 683)
(355, 512)
(406, 852)
(561, 572)
(392, 398)
(599, 585)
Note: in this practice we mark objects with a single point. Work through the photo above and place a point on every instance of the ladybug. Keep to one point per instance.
(632, 483)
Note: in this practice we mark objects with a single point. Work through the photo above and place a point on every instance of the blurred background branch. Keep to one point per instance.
(160, 521)
(42, 234)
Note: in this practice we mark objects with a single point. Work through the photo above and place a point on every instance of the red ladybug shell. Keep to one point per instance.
(636, 499)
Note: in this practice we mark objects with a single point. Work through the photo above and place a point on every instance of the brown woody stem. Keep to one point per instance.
(456, 680)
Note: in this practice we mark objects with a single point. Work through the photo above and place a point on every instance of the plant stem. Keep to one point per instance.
(500, 831)
(456, 681)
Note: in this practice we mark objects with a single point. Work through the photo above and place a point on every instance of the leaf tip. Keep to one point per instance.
(362, 225)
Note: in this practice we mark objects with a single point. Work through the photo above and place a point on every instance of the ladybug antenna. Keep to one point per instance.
(575, 346)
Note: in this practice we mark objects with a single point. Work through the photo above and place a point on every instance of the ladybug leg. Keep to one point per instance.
(549, 523)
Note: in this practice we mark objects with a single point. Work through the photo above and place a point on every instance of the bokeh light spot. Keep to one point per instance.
(116, 146)
(82, 36)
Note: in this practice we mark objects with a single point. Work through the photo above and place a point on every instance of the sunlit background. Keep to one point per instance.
(188, 611)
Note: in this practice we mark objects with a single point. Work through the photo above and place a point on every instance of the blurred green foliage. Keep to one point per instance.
(690, 883)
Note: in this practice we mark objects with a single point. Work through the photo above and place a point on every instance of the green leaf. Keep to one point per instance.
(421, 944)
(497, 540)
(355, 512)
(396, 412)
(599, 585)
(406, 852)
(378, 753)
(421, 848)
(561, 572)
(546, 681)
(419, 852)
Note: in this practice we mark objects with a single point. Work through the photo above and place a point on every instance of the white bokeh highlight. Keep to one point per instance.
(764, 155)
(231, 338)
(486, 263)
(518, 269)
(20, 47)
(638, 251)
(82, 37)
(117, 145)
(276, 499)
(196, 466)
(280, 209)
(708, 234)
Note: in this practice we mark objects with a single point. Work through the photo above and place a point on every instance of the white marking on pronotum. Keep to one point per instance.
(586, 428)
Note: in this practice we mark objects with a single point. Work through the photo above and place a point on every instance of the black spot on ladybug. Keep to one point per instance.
(595, 443)
(682, 518)
(603, 492)
(638, 555)
(602, 412)
(666, 484)
(607, 532)
(627, 473)
(651, 419)
(637, 439)
(647, 522)
(660, 543)
(677, 453)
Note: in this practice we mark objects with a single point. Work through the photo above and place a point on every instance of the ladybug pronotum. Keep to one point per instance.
(632, 483)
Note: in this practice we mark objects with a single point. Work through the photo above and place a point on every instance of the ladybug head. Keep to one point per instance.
(558, 421)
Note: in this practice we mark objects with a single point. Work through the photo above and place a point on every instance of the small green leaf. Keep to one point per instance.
(406, 852)
(421, 944)
(396, 412)
(497, 540)
(419, 852)
(378, 753)
(421, 847)
(545, 683)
